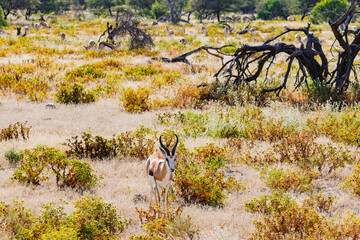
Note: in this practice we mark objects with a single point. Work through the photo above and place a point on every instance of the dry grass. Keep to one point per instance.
(123, 179)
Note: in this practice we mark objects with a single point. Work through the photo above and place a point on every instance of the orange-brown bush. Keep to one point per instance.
(15, 131)
(136, 101)
(166, 223)
(285, 219)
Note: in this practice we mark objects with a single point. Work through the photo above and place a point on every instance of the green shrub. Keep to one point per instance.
(139, 72)
(95, 219)
(75, 94)
(37, 162)
(284, 218)
(166, 223)
(136, 101)
(84, 73)
(12, 156)
(202, 179)
(296, 180)
(352, 182)
(328, 10)
(344, 127)
(277, 202)
(92, 219)
(318, 92)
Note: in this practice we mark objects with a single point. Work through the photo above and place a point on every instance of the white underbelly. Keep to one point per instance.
(107, 49)
(162, 183)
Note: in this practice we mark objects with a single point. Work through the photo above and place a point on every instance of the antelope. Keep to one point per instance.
(227, 31)
(252, 31)
(298, 39)
(44, 25)
(182, 40)
(169, 32)
(203, 30)
(290, 19)
(19, 31)
(107, 46)
(246, 19)
(62, 36)
(36, 26)
(160, 170)
(91, 44)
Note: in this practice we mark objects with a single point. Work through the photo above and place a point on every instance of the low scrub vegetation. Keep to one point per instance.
(37, 163)
(292, 161)
(15, 131)
(91, 219)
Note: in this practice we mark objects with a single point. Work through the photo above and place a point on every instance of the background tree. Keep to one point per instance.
(222, 6)
(175, 10)
(305, 7)
(272, 9)
(328, 10)
(142, 6)
(201, 8)
(3, 22)
(158, 9)
(48, 6)
(105, 4)
(10, 6)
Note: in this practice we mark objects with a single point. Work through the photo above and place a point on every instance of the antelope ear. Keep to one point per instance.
(163, 152)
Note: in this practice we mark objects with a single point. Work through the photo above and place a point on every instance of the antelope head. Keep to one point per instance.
(169, 156)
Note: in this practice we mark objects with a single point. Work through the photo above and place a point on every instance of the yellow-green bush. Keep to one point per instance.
(202, 177)
(36, 163)
(166, 223)
(92, 219)
(352, 182)
(74, 94)
(283, 218)
(296, 180)
(136, 100)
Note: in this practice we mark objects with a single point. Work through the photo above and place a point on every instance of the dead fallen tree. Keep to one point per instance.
(127, 26)
(249, 62)
(182, 58)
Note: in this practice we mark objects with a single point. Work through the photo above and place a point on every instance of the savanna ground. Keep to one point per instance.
(289, 143)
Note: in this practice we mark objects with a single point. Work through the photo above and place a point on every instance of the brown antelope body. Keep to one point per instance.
(107, 47)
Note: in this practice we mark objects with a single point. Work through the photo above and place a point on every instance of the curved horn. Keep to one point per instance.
(163, 146)
(173, 151)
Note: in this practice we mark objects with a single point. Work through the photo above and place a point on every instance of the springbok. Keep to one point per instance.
(299, 39)
(169, 32)
(62, 36)
(91, 45)
(44, 25)
(182, 41)
(36, 26)
(107, 47)
(252, 31)
(203, 30)
(160, 170)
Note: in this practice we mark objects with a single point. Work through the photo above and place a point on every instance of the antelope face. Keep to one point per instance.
(171, 162)
(169, 157)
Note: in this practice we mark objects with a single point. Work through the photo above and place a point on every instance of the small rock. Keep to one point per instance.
(140, 198)
(50, 105)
